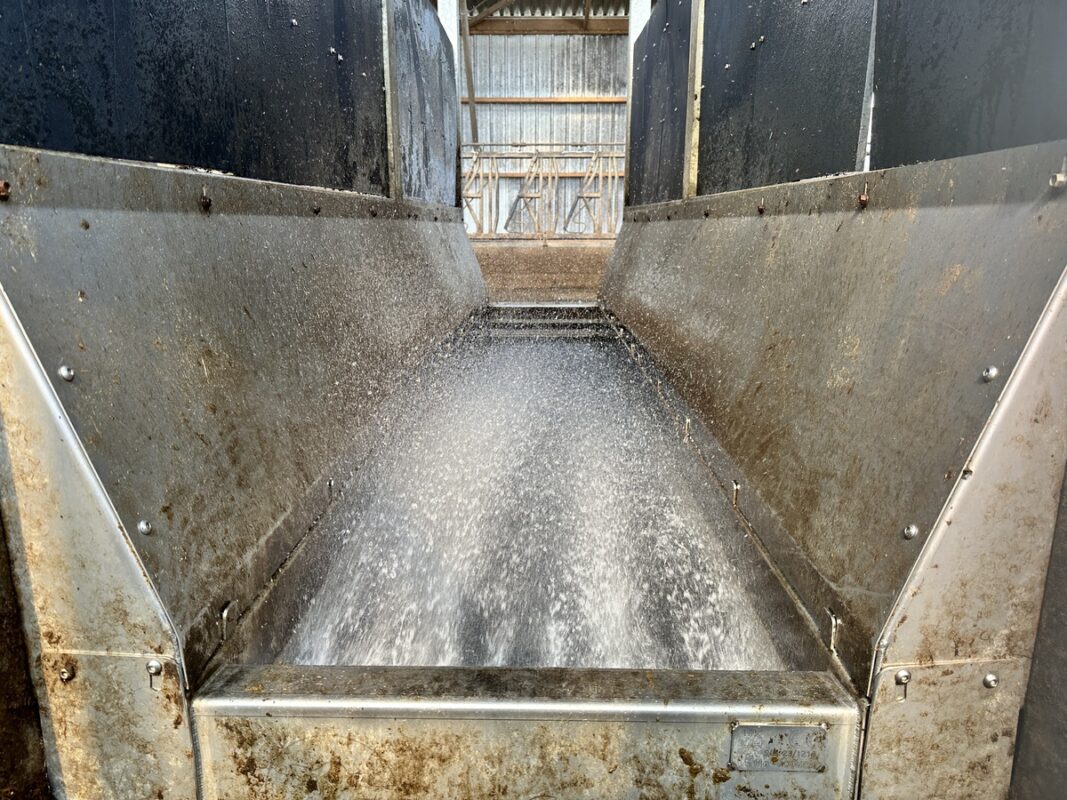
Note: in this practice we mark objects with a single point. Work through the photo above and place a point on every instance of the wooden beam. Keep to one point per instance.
(508, 26)
(489, 10)
(538, 101)
(468, 64)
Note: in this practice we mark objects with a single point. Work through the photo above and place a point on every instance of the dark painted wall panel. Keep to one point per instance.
(657, 114)
(967, 77)
(310, 97)
(427, 103)
(789, 108)
(225, 84)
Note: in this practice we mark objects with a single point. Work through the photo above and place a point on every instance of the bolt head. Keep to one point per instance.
(66, 674)
(66, 373)
(144, 527)
(991, 681)
(903, 677)
(911, 531)
(154, 667)
(293, 22)
(989, 374)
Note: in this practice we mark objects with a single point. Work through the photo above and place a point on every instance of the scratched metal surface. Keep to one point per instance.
(837, 353)
(225, 361)
(272, 732)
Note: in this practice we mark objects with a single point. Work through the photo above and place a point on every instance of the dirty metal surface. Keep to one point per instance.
(91, 616)
(837, 353)
(949, 737)
(427, 106)
(967, 77)
(659, 96)
(782, 90)
(970, 607)
(267, 732)
(530, 502)
(225, 360)
(289, 91)
(1040, 767)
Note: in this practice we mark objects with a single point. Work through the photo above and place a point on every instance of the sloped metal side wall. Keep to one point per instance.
(837, 353)
(227, 340)
(289, 91)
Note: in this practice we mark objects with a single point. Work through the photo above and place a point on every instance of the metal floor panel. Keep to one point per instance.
(531, 504)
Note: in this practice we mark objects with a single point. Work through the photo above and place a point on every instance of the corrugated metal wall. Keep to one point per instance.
(548, 66)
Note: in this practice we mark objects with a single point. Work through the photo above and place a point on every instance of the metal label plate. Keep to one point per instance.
(778, 748)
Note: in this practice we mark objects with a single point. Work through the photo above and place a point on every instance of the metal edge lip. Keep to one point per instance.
(338, 202)
(390, 708)
(842, 189)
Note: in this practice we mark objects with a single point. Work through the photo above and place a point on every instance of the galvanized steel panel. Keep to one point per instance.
(92, 619)
(431, 733)
(954, 656)
(224, 360)
(837, 353)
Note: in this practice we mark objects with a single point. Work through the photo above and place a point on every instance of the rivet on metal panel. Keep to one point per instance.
(66, 674)
(989, 374)
(903, 677)
(991, 681)
(762, 39)
(911, 531)
(1058, 179)
(144, 527)
(5, 190)
(66, 373)
(752, 46)
(864, 199)
(154, 668)
(205, 201)
(294, 23)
